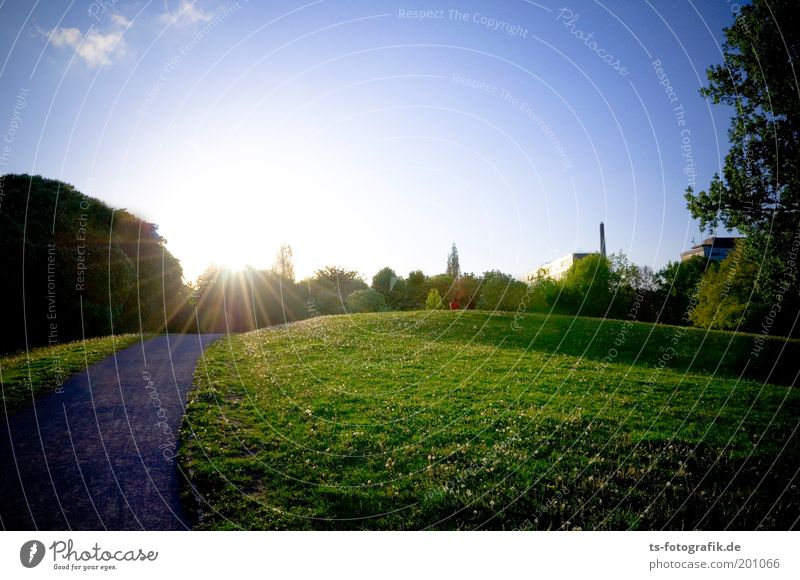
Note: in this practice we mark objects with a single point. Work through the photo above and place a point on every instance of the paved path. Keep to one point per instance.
(100, 454)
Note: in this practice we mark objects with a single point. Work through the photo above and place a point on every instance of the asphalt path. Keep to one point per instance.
(101, 454)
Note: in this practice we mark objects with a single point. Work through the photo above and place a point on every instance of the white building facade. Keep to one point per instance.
(557, 268)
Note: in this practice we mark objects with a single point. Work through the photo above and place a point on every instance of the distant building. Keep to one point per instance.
(557, 268)
(713, 249)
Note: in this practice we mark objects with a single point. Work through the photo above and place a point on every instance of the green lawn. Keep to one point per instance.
(465, 420)
(24, 375)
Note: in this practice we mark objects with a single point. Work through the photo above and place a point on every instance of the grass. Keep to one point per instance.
(442, 420)
(41, 370)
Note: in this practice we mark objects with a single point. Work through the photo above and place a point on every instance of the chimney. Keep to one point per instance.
(602, 239)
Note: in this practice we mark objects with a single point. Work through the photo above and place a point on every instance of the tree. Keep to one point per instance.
(434, 300)
(624, 273)
(161, 293)
(453, 265)
(416, 290)
(284, 262)
(545, 293)
(239, 301)
(677, 286)
(632, 288)
(500, 291)
(329, 288)
(468, 290)
(444, 285)
(74, 262)
(725, 299)
(340, 280)
(587, 288)
(391, 287)
(367, 300)
(759, 191)
(761, 182)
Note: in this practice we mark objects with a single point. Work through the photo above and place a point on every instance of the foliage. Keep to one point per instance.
(340, 280)
(633, 290)
(725, 298)
(329, 288)
(760, 188)
(284, 262)
(86, 269)
(772, 261)
(468, 290)
(461, 422)
(228, 301)
(367, 300)
(434, 300)
(611, 287)
(545, 293)
(624, 273)
(453, 265)
(444, 284)
(500, 291)
(391, 287)
(759, 191)
(416, 290)
(678, 285)
(586, 286)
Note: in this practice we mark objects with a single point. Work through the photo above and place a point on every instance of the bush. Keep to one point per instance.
(500, 291)
(416, 290)
(444, 286)
(468, 291)
(368, 300)
(587, 286)
(392, 288)
(434, 300)
(677, 283)
(726, 300)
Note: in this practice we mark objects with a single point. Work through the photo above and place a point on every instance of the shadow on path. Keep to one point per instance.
(100, 454)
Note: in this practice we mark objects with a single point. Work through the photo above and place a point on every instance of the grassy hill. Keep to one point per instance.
(465, 420)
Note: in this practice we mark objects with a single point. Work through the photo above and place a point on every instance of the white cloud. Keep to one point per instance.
(120, 20)
(186, 14)
(66, 37)
(95, 48)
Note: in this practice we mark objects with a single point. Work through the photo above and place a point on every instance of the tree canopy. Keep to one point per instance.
(759, 191)
(453, 265)
(284, 262)
(760, 186)
(74, 267)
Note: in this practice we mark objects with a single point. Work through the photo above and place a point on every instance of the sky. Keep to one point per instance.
(373, 133)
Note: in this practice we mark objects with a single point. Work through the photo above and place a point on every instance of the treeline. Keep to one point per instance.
(245, 300)
(728, 295)
(752, 290)
(613, 287)
(73, 267)
(594, 286)
(734, 294)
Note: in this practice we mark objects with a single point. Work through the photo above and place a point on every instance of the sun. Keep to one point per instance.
(235, 210)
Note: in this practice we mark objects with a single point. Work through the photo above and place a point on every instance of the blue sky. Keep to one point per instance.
(373, 133)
